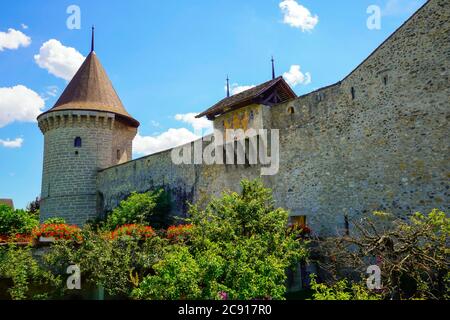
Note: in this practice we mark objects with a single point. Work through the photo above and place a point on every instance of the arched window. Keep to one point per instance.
(291, 110)
(77, 142)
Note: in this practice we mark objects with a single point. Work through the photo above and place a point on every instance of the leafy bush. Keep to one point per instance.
(55, 220)
(58, 232)
(181, 232)
(29, 280)
(16, 221)
(138, 208)
(118, 264)
(341, 290)
(239, 247)
(178, 273)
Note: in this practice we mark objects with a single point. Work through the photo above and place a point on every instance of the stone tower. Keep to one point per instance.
(88, 129)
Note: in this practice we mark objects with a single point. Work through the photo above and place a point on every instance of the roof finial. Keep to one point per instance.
(273, 68)
(228, 87)
(93, 38)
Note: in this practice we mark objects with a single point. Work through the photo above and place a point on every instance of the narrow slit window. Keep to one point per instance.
(77, 142)
(118, 154)
(353, 93)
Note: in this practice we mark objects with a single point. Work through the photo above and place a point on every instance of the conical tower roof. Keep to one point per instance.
(91, 89)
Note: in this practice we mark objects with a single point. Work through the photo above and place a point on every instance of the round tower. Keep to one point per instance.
(88, 129)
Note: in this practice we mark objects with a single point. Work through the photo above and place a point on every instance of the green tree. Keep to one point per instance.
(16, 221)
(138, 208)
(239, 245)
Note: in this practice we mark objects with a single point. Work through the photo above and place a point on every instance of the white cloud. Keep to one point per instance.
(52, 91)
(59, 60)
(235, 88)
(145, 145)
(298, 16)
(16, 143)
(197, 124)
(19, 104)
(401, 7)
(295, 76)
(13, 39)
(24, 26)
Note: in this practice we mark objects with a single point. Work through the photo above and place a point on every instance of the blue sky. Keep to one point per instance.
(169, 58)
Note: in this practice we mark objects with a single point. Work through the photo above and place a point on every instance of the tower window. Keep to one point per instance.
(291, 110)
(353, 93)
(118, 154)
(77, 142)
(385, 80)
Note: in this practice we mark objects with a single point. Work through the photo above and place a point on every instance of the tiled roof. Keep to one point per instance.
(250, 96)
(91, 89)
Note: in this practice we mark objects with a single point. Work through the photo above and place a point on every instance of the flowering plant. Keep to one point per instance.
(133, 230)
(180, 232)
(58, 232)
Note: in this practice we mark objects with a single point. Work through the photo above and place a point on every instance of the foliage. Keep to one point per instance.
(180, 233)
(58, 232)
(29, 280)
(34, 206)
(413, 255)
(239, 246)
(55, 220)
(16, 221)
(138, 208)
(341, 290)
(134, 231)
(116, 264)
(178, 273)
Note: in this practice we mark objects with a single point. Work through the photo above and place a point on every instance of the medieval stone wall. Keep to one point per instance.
(377, 140)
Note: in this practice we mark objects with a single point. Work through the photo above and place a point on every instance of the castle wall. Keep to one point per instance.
(384, 147)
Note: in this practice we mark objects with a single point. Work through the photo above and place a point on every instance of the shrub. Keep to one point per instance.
(134, 231)
(177, 277)
(341, 290)
(29, 280)
(138, 208)
(181, 232)
(16, 221)
(58, 232)
(118, 265)
(55, 220)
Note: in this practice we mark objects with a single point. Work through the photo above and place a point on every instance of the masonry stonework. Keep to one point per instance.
(377, 140)
(69, 174)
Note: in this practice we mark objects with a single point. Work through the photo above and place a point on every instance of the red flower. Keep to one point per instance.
(58, 231)
(180, 232)
(133, 230)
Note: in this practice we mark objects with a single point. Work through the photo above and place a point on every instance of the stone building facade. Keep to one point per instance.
(376, 140)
